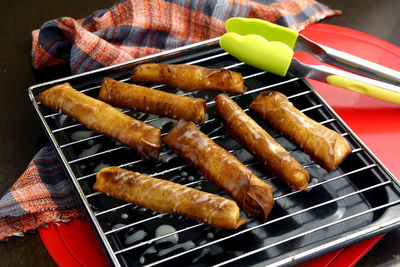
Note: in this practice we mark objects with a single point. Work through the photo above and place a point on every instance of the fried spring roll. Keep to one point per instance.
(190, 77)
(222, 168)
(325, 146)
(153, 101)
(258, 142)
(168, 197)
(103, 118)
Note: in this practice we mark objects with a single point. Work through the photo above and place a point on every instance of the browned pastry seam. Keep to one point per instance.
(190, 77)
(152, 101)
(103, 118)
(325, 146)
(258, 142)
(168, 197)
(222, 168)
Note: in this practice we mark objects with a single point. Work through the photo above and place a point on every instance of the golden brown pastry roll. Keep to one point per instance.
(153, 101)
(325, 146)
(258, 142)
(168, 197)
(222, 168)
(103, 118)
(190, 77)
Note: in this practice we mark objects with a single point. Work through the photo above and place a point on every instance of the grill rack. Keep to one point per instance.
(356, 201)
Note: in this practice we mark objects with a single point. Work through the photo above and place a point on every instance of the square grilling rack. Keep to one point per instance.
(356, 201)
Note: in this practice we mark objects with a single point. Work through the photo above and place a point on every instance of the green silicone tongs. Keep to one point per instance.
(270, 47)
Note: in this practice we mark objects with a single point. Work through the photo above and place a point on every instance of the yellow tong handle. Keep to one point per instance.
(363, 88)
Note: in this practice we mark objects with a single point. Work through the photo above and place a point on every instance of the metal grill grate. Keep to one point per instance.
(357, 200)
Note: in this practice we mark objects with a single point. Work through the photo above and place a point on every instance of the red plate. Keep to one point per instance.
(376, 122)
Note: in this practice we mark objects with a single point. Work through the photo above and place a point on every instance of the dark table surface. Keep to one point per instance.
(21, 135)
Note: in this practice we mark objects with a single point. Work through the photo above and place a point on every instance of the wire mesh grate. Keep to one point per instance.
(357, 200)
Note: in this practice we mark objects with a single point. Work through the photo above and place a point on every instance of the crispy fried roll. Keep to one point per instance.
(190, 77)
(168, 197)
(103, 118)
(153, 101)
(222, 168)
(258, 142)
(325, 146)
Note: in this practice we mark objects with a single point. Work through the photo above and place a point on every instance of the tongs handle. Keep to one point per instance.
(347, 80)
(355, 63)
(364, 88)
(296, 41)
(277, 58)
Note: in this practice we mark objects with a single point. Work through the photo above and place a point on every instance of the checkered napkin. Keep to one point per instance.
(128, 30)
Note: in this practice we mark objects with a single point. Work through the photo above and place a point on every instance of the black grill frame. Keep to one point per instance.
(361, 196)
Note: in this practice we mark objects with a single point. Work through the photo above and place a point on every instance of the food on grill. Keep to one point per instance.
(258, 142)
(190, 77)
(101, 117)
(222, 168)
(153, 101)
(325, 146)
(168, 197)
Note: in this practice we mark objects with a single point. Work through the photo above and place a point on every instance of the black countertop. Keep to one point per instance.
(22, 136)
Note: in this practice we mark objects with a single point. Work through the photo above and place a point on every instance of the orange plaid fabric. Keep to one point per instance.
(133, 29)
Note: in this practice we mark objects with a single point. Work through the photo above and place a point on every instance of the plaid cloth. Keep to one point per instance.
(128, 30)
(132, 29)
(41, 195)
